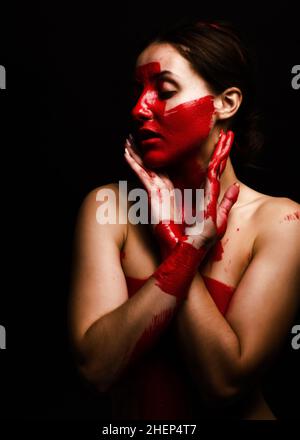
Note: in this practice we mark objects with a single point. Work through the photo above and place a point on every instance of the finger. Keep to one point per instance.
(133, 153)
(229, 199)
(221, 153)
(211, 194)
(218, 149)
(226, 146)
(222, 166)
(138, 169)
(166, 180)
(133, 143)
(226, 151)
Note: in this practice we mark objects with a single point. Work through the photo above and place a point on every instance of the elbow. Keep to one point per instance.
(95, 377)
(222, 392)
(222, 396)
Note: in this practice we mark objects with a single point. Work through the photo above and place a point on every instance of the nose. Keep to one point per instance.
(143, 108)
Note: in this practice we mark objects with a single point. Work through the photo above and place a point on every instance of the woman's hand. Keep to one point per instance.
(162, 200)
(215, 215)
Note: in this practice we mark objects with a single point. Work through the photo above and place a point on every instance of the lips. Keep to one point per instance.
(145, 134)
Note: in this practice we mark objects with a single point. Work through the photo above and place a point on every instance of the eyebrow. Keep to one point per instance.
(164, 74)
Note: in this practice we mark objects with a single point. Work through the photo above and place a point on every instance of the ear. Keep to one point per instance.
(227, 103)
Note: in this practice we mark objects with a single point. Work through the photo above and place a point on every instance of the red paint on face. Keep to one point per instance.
(180, 130)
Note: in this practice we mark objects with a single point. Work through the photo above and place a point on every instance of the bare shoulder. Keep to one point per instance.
(278, 218)
(102, 213)
(278, 210)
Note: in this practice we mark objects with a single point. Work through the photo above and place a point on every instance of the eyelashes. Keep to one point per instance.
(162, 94)
(167, 94)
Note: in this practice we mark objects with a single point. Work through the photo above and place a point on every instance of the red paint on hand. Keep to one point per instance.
(176, 273)
(168, 235)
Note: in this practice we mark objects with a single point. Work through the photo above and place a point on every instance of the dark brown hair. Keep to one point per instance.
(215, 50)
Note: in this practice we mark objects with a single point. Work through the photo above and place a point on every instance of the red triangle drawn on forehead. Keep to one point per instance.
(145, 72)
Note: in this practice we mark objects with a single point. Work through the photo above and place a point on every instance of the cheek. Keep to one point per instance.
(189, 123)
(183, 128)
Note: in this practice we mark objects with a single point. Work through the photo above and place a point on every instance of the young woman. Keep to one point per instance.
(177, 322)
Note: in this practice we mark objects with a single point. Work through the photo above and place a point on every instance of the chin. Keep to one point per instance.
(156, 160)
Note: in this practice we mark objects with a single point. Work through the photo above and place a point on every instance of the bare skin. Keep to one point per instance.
(224, 355)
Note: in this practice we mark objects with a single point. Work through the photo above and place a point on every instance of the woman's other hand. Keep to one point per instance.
(215, 214)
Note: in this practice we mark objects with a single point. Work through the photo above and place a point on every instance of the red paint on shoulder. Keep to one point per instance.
(294, 216)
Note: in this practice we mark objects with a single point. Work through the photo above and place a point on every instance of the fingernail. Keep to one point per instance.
(237, 184)
(131, 138)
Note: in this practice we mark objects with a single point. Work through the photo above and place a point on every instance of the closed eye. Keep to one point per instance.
(166, 94)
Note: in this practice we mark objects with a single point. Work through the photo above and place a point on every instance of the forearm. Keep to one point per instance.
(118, 339)
(210, 346)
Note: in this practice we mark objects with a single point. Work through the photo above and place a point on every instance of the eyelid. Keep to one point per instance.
(168, 81)
(167, 94)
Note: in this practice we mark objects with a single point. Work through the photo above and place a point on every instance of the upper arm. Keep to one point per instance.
(98, 284)
(266, 300)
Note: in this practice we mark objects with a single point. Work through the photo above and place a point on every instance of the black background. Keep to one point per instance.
(65, 116)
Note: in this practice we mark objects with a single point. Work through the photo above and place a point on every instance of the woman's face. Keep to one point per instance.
(174, 108)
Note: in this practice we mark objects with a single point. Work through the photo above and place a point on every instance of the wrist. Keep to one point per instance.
(198, 241)
(168, 234)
